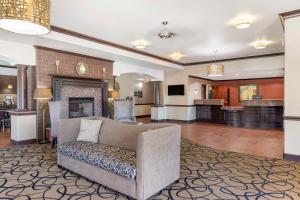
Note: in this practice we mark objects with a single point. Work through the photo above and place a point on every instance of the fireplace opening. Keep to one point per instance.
(81, 107)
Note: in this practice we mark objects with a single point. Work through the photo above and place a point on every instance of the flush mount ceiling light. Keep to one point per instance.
(215, 69)
(31, 17)
(176, 56)
(165, 33)
(243, 23)
(261, 44)
(140, 44)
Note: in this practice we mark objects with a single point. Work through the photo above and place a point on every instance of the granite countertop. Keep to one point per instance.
(232, 108)
(22, 112)
(213, 102)
(264, 102)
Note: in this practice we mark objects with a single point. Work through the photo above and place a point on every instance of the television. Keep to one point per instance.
(175, 90)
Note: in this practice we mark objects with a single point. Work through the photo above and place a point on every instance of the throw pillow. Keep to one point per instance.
(89, 130)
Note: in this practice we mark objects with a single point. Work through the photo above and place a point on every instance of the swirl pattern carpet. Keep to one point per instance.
(30, 172)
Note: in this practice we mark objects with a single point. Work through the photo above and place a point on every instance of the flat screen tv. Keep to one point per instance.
(175, 90)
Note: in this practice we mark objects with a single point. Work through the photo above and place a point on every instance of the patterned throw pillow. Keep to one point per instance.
(89, 130)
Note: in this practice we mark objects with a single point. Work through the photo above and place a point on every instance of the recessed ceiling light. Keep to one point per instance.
(140, 44)
(243, 23)
(177, 56)
(260, 44)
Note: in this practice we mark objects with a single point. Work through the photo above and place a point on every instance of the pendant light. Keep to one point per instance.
(31, 17)
(215, 69)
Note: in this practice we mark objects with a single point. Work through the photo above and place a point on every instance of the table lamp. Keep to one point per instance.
(43, 94)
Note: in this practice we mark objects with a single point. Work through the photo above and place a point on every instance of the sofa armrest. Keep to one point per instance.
(158, 159)
(68, 130)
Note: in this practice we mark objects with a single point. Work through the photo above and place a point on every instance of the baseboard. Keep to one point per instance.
(174, 121)
(291, 157)
(141, 116)
(23, 142)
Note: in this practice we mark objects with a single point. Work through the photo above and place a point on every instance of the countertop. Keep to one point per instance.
(212, 102)
(22, 112)
(264, 102)
(232, 108)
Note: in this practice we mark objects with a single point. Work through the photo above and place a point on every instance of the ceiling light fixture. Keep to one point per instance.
(215, 69)
(31, 17)
(165, 33)
(261, 44)
(140, 44)
(243, 23)
(176, 56)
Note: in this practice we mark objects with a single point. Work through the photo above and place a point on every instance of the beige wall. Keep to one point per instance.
(129, 83)
(292, 83)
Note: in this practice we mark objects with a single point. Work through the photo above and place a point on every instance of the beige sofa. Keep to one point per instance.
(154, 148)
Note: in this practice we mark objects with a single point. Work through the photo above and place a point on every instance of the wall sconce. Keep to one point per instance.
(196, 91)
(104, 72)
(10, 86)
(57, 62)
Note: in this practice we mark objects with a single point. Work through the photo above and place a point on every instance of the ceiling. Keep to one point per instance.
(201, 26)
(246, 74)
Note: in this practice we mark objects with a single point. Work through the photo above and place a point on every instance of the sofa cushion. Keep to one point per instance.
(113, 159)
(89, 130)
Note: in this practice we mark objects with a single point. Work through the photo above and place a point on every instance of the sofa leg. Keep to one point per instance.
(54, 141)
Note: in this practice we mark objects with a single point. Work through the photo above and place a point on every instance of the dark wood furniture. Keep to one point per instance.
(262, 114)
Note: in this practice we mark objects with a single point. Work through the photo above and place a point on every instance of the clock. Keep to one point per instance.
(81, 68)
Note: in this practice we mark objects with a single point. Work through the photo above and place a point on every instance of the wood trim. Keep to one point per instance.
(287, 15)
(205, 79)
(144, 104)
(72, 53)
(23, 142)
(248, 79)
(237, 58)
(141, 116)
(7, 66)
(108, 43)
(291, 118)
(290, 14)
(156, 106)
(170, 105)
(75, 77)
(291, 157)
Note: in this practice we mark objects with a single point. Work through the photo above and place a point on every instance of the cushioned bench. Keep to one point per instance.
(113, 159)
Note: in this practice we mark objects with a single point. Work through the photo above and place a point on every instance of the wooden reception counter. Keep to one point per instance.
(265, 113)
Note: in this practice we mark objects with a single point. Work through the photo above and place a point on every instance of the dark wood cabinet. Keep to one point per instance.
(250, 116)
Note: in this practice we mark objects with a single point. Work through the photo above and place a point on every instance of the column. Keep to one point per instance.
(292, 88)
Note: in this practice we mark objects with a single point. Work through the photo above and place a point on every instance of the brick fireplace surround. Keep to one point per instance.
(46, 66)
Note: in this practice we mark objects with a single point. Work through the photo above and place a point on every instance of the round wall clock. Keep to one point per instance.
(81, 68)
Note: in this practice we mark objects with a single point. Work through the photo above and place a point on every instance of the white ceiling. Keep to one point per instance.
(247, 74)
(201, 26)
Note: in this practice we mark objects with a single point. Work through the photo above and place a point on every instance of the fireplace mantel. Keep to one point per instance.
(58, 81)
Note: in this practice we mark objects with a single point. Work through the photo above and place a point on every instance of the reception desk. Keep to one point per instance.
(253, 114)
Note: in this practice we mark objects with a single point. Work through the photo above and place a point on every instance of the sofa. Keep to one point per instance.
(136, 160)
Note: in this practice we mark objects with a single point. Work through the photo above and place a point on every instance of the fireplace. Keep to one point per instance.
(83, 96)
(81, 107)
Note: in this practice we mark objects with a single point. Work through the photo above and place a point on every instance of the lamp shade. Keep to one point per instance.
(30, 17)
(42, 93)
(112, 94)
(215, 70)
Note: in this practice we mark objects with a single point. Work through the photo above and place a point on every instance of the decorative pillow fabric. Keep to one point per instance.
(117, 160)
(89, 130)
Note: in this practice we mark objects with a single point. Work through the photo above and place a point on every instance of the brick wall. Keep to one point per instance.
(45, 65)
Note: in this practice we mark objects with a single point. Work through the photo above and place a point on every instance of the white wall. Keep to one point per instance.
(17, 53)
(123, 68)
(291, 86)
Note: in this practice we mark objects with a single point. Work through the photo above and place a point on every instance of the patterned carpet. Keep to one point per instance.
(31, 172)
